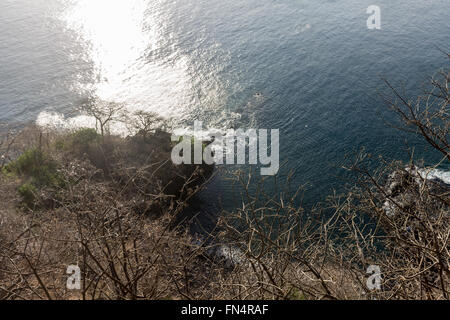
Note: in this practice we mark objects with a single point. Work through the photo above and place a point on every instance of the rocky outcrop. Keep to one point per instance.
(403, 187)
(227, 255)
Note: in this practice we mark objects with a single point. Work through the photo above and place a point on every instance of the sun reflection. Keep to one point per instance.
(118, 34)
(138, 59)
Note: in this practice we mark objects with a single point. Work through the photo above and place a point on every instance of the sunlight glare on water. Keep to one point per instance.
(118, 36)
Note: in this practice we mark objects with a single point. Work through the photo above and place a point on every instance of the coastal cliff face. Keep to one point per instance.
(110, 204)
(105, 204)
(138, 169)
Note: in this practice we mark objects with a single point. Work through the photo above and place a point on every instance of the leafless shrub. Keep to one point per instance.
(143, 123)
(95, 220)
(104, 113)
(428, 116)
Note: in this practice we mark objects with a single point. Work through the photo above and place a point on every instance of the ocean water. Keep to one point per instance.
(310, 68)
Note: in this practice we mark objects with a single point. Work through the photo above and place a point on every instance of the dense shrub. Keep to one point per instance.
(78, 141)
(28, 193)
(37, 170)
(37, 166)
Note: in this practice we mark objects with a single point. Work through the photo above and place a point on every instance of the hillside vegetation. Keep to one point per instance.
(111, 206)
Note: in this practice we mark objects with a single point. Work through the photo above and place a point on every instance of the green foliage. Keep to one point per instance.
(84, 137)
(295, 294)
(38, 170)
(79, 140)
(28, 193)
(37, 166)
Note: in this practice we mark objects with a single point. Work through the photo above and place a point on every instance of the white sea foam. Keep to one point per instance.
(58, 121)
(435, 174)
